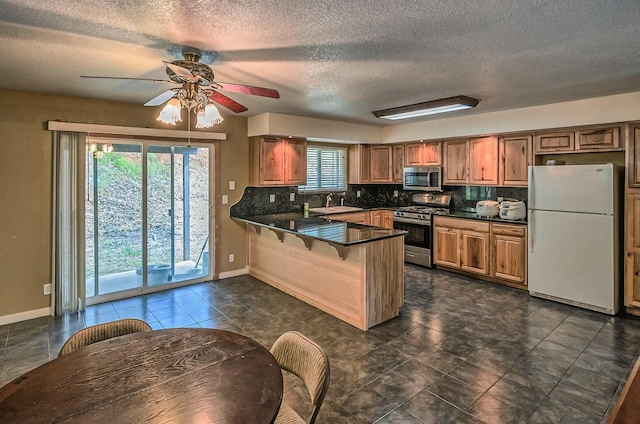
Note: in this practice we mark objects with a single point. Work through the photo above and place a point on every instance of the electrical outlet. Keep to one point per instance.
(47, 288)
(272, 198)
(225, 199)
(232, 185)
(292, 197)
(232, 257)
(358, 193)
(395, 193)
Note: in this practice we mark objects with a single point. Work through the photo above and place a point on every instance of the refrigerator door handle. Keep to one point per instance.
(530, 233)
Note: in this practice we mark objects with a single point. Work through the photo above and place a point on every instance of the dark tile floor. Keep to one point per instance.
(462, 351)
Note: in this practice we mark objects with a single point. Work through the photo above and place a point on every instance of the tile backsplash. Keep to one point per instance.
(256, 200)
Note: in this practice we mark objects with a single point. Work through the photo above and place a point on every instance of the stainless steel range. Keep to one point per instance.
(416, 220)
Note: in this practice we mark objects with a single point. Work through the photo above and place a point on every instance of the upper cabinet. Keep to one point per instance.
(456, 162)
(633, 155)
(483, 161)
(381, 162)
(515, 157)
(423, 154)
(359, 164)
(278, 161)
(397, 163)
(594, 139)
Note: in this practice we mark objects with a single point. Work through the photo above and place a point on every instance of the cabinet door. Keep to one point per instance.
(514, 159)
(414, 154)
(375, 218)
(271, 161)
(474, 252)
(561, 142)
(633, 155)
(387, 220)
(295, 158)
(446, 247)
(397, 163)
(509, 258)
(359, 164)
(456, 162)
(484, 161)
(381, 164)
(432, 155)
(605, 138)
(632, 250)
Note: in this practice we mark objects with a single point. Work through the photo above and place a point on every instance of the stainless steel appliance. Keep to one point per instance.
(423, 178)
(416, 221)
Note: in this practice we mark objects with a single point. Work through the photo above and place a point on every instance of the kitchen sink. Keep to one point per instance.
(334, 209)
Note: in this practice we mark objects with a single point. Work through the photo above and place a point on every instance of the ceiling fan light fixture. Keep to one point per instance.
(432, 107)
(209, 117)
(170, 113)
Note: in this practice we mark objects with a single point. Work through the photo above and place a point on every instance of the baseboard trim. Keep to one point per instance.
(24, 316)
(234, 273)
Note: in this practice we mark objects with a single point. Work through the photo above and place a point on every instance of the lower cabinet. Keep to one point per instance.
(357, 217)
(382, 218)
(492, 251)
(632, 252)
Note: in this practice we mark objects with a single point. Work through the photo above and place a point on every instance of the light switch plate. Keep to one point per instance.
(358, 193)
(225, 199)
(292, 197)
(232, 185)
(272, 198)
(232, 257)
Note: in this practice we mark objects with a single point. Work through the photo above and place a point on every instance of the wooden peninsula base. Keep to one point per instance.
(361, 284)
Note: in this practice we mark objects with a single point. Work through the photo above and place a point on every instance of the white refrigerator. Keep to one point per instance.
(573, 235)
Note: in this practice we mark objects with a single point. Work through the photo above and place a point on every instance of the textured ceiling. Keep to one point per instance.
(332, 59)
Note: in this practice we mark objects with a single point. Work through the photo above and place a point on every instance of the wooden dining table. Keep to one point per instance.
(181, 375)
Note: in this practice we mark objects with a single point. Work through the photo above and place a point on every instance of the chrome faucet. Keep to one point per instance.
(328, 199)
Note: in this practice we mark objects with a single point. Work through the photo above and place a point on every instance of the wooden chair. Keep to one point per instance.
(627, 408)
(299, 355)
(100, 332)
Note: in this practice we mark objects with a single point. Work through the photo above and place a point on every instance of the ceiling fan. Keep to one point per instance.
(197, 91)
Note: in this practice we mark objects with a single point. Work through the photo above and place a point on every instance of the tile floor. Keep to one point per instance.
(462, 351)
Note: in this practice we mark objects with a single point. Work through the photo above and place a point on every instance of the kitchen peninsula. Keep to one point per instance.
(354, 272)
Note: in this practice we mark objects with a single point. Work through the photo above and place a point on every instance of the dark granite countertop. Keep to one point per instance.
(473, 215)
(322, 228)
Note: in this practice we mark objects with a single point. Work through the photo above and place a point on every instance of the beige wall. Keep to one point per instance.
(26, 183)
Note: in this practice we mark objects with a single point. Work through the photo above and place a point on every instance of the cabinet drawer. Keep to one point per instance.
(462, 224)
(508, 230)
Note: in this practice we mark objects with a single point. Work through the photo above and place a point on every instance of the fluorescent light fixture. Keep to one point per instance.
(170, 114)
(427, 108)
(208, 117)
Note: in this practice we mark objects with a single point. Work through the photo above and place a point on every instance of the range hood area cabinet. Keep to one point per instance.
(423, 153)
(277, 161)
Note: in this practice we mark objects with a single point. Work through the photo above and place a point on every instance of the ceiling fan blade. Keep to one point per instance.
(249, 89)
(183, 72)
(127, 78)
(161, 98)
(227, 102)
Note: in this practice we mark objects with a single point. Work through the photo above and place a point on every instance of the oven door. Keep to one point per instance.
(417, 241)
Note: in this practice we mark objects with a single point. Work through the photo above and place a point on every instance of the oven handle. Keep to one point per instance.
(425, 222)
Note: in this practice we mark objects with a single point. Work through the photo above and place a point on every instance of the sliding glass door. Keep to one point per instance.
(147, 217)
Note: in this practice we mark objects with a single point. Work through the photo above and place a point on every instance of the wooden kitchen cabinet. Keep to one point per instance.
(278, 161)
(461, 243)
(508, 248)
(590, 139)
(381, 164)
(483, 161)
(515, 157)
(356, 217)
(632, 252)
(381, 218)
(456, 162)
(423, 154)
(633, 155)
(359, 164)
(397, 163)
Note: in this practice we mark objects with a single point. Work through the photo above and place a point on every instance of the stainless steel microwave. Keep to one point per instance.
(423, 178)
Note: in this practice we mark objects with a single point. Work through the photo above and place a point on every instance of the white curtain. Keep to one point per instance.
(68, 241)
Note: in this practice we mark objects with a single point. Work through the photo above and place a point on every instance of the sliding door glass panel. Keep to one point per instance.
(178, 213)
(113, 218)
